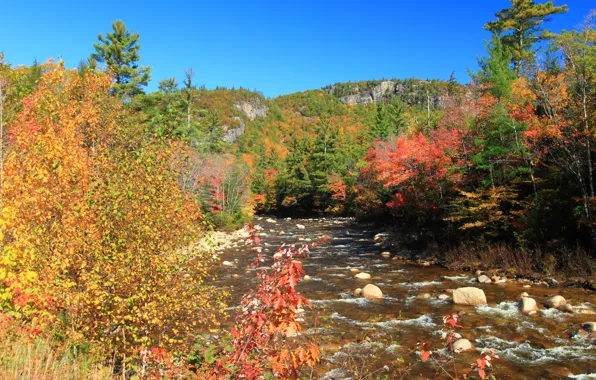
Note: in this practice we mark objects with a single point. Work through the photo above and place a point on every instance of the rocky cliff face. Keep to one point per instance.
(411, 92)
(252, 108)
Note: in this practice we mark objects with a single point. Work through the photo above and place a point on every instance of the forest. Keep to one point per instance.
(107, 189)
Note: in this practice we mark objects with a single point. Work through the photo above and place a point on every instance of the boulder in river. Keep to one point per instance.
(371, 291)
(386, 254)
(444, 297)
(555, 302)
(469, 296)
(354, 270)
(300, 226)
(483, 279)
(462, 345)
(307, 278)
(528, 306)
(523, 295)
(227, 264)
(589, 326)
(587, 312)
(357, 292)
(567, 308)
(363, 276)
(423, 296)
(269, 220)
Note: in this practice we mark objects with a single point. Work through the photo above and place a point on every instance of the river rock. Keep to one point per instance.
(528, 306)
(300, 226)
(469, 296)
(589, 326)
(567, 308)
(483, 279)
(555, 302)
(527, 286)
(478, 272)
(235, 275)
(423, 296)
(462, 345)
(495, 278)
(371, 291)
(357, 292)
(354, 270)
(587, 312)
(523, 295)
(363, 276)
(386, 254)
(444, 297)
(307, 278)
(269, 220)
(227, 264)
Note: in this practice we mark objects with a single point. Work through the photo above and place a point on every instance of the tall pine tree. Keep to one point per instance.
(119, 51)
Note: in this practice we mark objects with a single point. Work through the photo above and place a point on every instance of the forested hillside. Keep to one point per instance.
(106, 189)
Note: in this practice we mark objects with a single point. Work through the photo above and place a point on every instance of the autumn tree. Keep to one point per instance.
(95, 228)
(520, 27)
(119, 52)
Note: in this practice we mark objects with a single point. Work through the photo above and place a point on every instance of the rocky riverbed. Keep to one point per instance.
(370, 306)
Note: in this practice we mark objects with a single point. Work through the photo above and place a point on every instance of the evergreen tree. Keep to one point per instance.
(520, 27)
(119, 51)
(496, 69)
(211, 134)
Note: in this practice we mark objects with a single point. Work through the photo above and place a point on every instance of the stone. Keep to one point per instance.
(528, 306)
(462, 345)
(269, 220)
(589, 326)
(371, 291)
(357, 292)
(307, 278)
(469, 296)
(354, 270)
(495, 278)
(587, 312)
(300, 226)
(527, 286)
(444, 297)
(478, 273)
(449, 291)
(483, 279)
(386, 254)
(282, 233)
(227, 264)
(423, 296)
(425, 264)
(555, 302)
(363, 276)
(235, 275)
(567, 308)
(523, 295)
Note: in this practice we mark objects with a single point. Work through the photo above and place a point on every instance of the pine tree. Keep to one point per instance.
(520, 27)
(119, 51)
(496, 69)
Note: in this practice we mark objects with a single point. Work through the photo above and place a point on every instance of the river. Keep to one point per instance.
(366, 335)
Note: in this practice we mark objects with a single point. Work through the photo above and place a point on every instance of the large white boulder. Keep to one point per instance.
(371, 291)
(469, 296)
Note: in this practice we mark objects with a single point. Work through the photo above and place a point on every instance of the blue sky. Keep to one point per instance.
(276, 47)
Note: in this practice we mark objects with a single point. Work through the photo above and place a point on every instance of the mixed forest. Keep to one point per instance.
(105, 188)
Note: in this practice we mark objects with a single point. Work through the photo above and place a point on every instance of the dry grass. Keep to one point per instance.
(557, 263)
(23, 358)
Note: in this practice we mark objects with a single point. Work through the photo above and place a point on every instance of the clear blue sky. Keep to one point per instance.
(276, 47)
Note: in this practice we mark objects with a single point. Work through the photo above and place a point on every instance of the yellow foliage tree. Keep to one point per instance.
(95, 228)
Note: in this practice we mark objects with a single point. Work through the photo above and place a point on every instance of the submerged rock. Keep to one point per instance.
(469, 296)
(567, 308)
(371, 291)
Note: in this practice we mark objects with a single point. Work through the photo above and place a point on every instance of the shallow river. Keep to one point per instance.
(355, 333)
